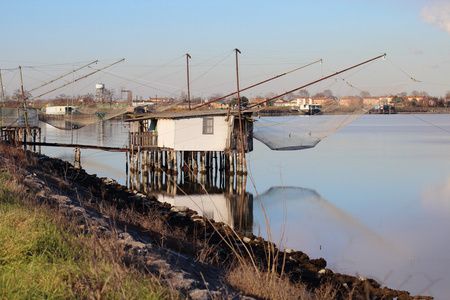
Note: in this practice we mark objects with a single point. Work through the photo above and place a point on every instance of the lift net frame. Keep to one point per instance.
(299, 132)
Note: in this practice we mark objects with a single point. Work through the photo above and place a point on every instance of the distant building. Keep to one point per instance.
(301, 101)
(371, 101)
(350, 101)
(281, 102)
(324, 101)
(157, 100)
(417, 98)
(257, 101)
(218, 105)
(60, 110)
(386, 99)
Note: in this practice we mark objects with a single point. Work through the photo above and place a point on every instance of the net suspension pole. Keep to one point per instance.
(96, 71)
(241, 132)
(27, 125)
(316, 81)
(62, 76)
(188, 88)
(264, 81)
(3, 91)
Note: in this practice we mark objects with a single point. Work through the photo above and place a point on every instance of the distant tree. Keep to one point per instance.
(270, 95)
(290, 96)
(183, 96)
(416, 93)
(88, 98)
(17, 96)
(319, 95)
(303, 93)
(397, 99)
(364, 94)
(402, 94)
(328, 94)
(216, 96)
(109, 95)
(447, 95)
(62, 99)
(434, 101)
(244, 102)
(196, 99)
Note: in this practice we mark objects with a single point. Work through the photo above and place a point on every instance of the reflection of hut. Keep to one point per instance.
(233, 210)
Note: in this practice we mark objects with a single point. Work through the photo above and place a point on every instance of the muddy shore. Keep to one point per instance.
(176, 261)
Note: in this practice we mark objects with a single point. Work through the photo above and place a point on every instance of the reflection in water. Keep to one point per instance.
(407, 157)
(317, 218)
(215, 194)
(437, 197)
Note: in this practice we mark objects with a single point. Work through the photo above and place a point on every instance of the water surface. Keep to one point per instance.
(373, 199)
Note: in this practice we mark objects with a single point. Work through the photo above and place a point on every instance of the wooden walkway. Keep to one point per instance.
(118, 149)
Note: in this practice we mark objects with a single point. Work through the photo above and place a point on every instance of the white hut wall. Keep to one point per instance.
(194, 134)
(166, 133)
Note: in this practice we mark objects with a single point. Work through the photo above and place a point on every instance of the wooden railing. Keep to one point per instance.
(143, 139)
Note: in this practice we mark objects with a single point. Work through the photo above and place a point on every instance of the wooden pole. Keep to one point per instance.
(3, 91)
(311, 83)
(25, 106)
(241, 133)
(188, 88)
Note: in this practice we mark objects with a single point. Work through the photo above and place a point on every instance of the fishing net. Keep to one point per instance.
(15, 117)
(299, 132)
(79, 120)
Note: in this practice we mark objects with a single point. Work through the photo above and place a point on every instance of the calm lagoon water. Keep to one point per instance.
(373, 199)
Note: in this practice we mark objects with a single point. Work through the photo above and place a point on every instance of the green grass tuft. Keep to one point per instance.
(43, 256)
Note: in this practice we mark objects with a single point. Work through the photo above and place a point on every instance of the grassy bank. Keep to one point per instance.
(43, 256)
(49, 251)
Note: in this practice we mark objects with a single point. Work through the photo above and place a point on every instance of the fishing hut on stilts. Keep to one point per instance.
(20, 126)
(193, 142)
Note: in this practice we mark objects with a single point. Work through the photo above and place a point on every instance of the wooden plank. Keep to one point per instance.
(120, 149)
(117, 149)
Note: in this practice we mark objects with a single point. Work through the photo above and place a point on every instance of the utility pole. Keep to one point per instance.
(188, 89)
(25, 106)
(237, 82)
(3, 92)
(241, 133)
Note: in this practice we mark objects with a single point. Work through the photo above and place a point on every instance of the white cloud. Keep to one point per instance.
(437, 13)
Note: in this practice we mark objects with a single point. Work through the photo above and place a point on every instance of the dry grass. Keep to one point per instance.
(45, 254)
(100, 268)
(269, 285)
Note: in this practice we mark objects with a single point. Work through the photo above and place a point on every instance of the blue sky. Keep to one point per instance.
(50, 38)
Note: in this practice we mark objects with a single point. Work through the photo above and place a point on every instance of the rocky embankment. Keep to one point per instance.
(176, 261)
